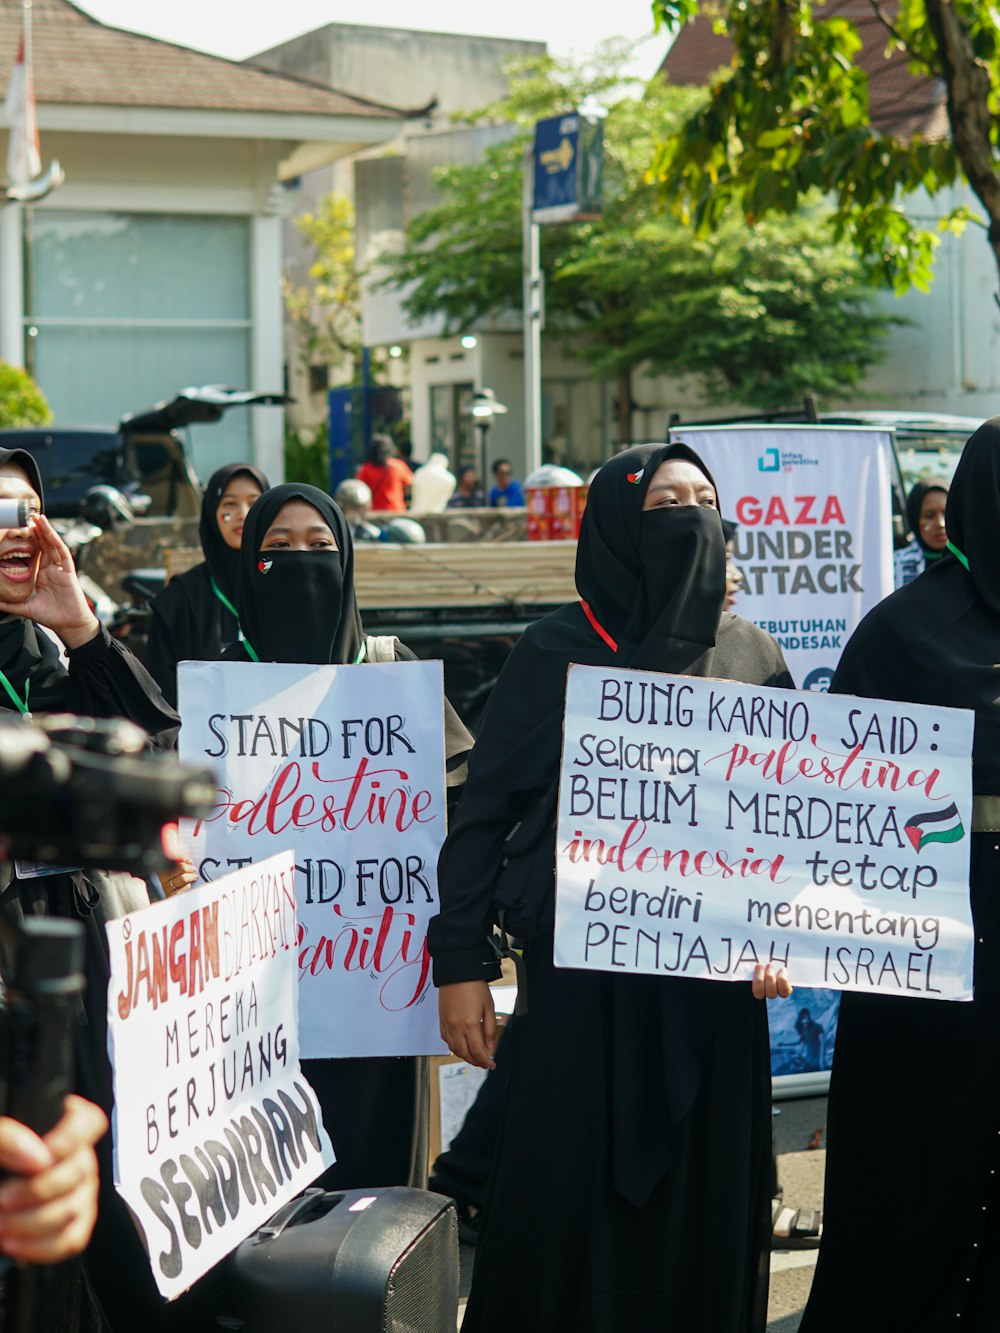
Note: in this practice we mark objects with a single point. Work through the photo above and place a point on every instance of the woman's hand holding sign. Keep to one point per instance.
(770, 982)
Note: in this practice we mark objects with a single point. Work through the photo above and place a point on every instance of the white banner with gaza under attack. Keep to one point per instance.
(706, 826)
(814, 543)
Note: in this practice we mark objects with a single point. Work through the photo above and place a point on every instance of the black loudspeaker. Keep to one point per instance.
(360, 1261)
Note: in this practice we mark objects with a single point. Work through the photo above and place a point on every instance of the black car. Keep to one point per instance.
(145, 458)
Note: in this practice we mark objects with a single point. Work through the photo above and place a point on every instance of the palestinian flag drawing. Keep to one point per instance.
(934, 826)
(634, 478)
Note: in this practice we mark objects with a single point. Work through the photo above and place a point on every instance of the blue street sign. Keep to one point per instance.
(568, 168)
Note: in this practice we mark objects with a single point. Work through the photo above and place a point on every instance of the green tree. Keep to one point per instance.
(327, 309)
(762, 316)
(22, 402)
(791, 116)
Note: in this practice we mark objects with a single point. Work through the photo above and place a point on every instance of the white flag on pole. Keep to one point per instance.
(24, 161)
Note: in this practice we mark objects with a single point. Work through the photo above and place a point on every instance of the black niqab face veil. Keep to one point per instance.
(655, 579)
(222, 560)
(298, 606)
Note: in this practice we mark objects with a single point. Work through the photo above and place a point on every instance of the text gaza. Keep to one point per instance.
(803, 510)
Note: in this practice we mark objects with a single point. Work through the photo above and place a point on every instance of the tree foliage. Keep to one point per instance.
(327, 310)
(762, 315)
(792, 116)
(22, 402)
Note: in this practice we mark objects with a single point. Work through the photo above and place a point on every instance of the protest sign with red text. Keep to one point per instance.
(343, 766)
(705, 827)
(215, 1127)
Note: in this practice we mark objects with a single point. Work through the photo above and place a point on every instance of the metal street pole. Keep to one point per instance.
(532, 295)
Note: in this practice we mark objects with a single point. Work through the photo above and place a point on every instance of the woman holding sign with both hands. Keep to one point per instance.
(297, 604)
(638, 1110)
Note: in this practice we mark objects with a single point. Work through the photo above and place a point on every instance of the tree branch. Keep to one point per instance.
(893, 31)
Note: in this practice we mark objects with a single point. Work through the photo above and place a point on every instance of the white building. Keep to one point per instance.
(158, 264)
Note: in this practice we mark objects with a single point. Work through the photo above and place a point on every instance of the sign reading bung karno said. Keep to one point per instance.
(705, 826)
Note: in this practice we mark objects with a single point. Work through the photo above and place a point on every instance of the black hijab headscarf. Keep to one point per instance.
(914, 504)
(223, 561)
(655, 579)
(23, 651)
(298, 606)
(937, 640)
(655, 582)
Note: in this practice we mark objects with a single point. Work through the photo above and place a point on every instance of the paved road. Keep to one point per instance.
(800, 1172)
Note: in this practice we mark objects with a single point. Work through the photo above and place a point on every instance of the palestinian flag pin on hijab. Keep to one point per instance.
(634, 478)
(934, 826)
(264, 565)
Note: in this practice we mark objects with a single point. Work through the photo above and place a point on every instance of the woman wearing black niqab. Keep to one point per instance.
(194, 617)
(297, 604)
(638, 1110)
(914, 1115)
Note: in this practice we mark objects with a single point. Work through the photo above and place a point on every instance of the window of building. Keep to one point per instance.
(122, 310)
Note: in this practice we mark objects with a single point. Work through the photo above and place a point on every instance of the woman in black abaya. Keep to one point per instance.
(194, 617)
(297, 604)
(39, 591)
(636, 1128)
(914, 1118)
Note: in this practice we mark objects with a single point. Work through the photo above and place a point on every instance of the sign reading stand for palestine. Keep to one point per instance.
(344, 765)
(705, 827)
(215, 1127)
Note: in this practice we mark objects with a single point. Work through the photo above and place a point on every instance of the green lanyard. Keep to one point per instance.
(19, 704)
(959, 555)
(236, 616)
(224, 599)
(251, 650)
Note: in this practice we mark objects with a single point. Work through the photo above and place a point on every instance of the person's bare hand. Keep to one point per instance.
(468, 1022)
(57, 602)
(49, 1206)
(180, 876)
(770, 982)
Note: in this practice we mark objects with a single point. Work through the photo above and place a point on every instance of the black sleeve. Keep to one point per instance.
(106, 680)
(161, 656)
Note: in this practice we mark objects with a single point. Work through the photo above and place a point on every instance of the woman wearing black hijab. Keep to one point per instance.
(914, 1123)
(194, 617)
(297, 604)
(101, 678)
(636, 1129)
(925, 510)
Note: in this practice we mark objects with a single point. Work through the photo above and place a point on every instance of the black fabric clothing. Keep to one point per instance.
(642, 1067)
(914, 1117)
(190, 622)
(580, 1258)
(914, 504)
(319, 585)
(375, 1109)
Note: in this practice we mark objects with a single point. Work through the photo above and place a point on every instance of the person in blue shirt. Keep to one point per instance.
(506, 494)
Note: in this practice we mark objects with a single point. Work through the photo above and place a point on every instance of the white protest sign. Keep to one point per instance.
(706, 826)
(344, 765)
(814, 543)
(215, 1127)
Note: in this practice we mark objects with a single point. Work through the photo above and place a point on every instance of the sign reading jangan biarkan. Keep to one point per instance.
(706, 826)
(215, 1126)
